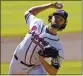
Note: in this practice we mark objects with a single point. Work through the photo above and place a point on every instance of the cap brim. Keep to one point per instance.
(60, 15)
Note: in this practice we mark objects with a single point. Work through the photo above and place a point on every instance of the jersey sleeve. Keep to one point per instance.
(31, 20)
(61, 50)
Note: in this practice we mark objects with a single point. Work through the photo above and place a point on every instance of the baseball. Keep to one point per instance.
(59, 4)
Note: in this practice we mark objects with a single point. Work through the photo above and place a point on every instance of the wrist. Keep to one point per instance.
(49, 5)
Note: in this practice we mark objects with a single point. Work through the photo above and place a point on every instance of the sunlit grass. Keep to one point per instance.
(68, 67)
(13, 22)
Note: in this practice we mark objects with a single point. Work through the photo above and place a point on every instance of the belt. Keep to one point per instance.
(23, 62)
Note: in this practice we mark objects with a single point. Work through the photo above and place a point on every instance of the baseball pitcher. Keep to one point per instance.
(40, 42)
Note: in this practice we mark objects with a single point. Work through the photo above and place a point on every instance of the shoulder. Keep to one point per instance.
(39, 24)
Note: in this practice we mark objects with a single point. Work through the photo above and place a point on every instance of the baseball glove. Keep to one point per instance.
(49, 51)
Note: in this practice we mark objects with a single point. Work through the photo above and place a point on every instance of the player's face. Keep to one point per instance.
(57, 21)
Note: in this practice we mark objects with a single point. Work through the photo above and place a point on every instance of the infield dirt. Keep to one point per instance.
(70, 41)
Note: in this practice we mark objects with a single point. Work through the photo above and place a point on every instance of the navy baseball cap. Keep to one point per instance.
(62, 13)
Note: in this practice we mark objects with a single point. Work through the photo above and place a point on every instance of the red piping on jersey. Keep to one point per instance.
(34, 47)
(52, 39)
(27, 51)
(27, 16)
(32, 54)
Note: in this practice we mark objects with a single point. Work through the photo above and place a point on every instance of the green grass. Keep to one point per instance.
(4, 68)
(12, 16)
(71, 67)
(68, 67)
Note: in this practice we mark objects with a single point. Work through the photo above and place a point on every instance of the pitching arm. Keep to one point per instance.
(30, 14)
(36, 9)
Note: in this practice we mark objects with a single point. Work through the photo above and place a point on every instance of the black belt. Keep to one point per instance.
(23, 62)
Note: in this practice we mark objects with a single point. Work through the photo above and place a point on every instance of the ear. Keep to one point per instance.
(53, 19)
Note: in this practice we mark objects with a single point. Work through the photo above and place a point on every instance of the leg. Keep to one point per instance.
(16, 68)
(38, 70)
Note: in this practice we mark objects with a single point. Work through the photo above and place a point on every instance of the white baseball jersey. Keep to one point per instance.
(36, 39)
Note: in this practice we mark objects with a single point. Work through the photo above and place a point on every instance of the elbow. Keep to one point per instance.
(26, 12)
(31, 10)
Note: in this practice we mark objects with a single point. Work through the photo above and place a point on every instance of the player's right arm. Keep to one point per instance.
(30, 13)
(36, 9)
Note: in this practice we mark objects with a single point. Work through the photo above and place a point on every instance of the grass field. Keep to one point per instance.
(13, 22)
(68, 67)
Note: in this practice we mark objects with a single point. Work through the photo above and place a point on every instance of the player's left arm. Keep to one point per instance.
(52, 52)
(49, 68)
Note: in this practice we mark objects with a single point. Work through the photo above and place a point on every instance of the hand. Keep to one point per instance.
(48, 51)
(57, 5)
